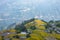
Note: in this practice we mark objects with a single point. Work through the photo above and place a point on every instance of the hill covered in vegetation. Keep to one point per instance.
(33, 29)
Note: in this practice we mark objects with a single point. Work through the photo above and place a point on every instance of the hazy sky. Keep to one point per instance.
(19, 10)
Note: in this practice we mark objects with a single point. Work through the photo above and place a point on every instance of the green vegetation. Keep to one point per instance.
(34, 29)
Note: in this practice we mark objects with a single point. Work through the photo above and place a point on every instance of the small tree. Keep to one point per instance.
(33, 27)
